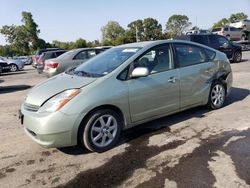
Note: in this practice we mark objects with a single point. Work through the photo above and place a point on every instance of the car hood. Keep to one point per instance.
(45, 90)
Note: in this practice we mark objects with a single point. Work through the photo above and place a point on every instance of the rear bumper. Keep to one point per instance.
(49, 72)
(40, 68)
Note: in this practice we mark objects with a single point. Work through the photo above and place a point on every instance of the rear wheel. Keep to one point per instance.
(237, 56)
(13, 68)
(228, 37)
(217, 96)
(243, 37)
(102, 130)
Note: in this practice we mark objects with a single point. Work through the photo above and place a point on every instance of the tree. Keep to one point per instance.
(221, 23)
(112, 33)
(24, 38)
(237, 17)
(177, 24)
(80, 43)
(152, 29)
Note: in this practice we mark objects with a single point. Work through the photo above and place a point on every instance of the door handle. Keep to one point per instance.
(172, 79)
(209, 71)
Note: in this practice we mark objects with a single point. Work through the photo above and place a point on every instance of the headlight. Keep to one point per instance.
(58, 101)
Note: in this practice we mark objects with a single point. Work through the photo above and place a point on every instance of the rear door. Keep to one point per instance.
(195, 72)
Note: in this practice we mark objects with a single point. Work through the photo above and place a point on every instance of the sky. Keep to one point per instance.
(68, 20)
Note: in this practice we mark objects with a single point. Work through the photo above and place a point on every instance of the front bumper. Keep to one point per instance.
(52, 130)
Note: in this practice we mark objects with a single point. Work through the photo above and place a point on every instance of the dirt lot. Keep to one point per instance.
(195, 148)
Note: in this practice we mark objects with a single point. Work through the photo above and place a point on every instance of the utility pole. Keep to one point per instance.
(136, 34)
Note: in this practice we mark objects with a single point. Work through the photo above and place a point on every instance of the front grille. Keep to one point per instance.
(31, 107)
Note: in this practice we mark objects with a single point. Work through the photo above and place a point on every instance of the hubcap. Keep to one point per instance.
(13, 68)
(218, 95)
(237, 57)
(104, 130)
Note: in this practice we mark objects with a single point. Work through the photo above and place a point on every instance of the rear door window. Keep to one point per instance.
(91, 53)
(81, 56)
(190, 54)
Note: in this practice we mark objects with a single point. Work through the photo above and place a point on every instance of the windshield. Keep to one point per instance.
(68, 55)
(106, 62)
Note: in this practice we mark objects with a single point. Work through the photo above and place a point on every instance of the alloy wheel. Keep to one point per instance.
(13, 68)
(104, 130)
(218, 95)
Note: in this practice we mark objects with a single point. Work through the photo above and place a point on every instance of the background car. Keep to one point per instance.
(242, 24)
(47, 55)
(26, 59)
(72, 58)
(221, 43)
(4, 66)
(231, 33)
(39, 52)
(200, 31)
(94, 102)
(14, 64)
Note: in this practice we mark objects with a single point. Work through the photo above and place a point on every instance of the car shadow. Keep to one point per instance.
(13, 73)
(164, 124)
(14, 88)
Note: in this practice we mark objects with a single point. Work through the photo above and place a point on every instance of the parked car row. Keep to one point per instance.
(55, 61)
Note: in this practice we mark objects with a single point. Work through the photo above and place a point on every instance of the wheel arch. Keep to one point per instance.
(221, 77)
(101, 107)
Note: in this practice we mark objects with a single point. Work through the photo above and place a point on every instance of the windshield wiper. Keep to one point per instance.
(86, 74)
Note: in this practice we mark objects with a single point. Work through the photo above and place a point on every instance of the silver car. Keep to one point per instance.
(242, 24)
(70, 59)
(123, 87)
(14, 64)
(231, 33)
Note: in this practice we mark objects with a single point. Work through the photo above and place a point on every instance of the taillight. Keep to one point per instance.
(52, 65)
(41, 62)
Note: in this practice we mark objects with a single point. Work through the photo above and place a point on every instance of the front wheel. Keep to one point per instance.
(102, 130)
(217, 96)
(13, 68)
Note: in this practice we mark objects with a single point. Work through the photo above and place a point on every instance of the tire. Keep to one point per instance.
(237, 57)
(217, 96)
(243, 37)
(13, 68)
(97, 135)
(228, 37)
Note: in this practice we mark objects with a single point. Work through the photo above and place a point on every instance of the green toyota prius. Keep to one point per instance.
(123, 87)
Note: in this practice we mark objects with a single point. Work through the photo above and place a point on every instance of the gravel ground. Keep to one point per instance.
(194, 148)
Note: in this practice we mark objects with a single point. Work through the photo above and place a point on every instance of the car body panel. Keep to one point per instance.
(162, 95)
(56, 84)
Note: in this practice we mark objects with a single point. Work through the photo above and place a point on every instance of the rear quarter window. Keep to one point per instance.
(210, 54)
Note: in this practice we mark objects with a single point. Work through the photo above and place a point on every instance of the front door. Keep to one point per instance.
(158, 93)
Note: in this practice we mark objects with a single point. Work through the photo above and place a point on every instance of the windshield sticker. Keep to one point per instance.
(130, 50)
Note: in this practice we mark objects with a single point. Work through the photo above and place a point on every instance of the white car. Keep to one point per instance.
(243, 24)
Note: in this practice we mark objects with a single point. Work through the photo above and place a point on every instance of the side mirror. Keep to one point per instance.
(225, 45)
(140, 72)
